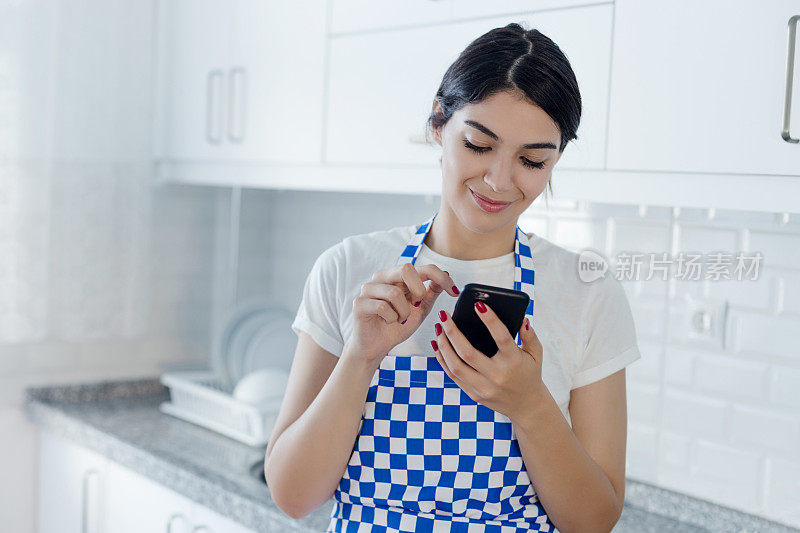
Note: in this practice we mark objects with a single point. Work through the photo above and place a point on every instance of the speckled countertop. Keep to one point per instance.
(121, 420)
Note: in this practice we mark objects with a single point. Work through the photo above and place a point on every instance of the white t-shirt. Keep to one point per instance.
(586, 329)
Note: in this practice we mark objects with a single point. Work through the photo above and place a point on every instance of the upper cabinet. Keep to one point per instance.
(240, 81)
(358, 15)
(335, 95)
(382, 84)
(702, 87)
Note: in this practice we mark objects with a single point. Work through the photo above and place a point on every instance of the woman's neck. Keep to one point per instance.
(450, 238)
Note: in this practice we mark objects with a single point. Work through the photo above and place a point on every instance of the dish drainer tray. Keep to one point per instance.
(200, 397)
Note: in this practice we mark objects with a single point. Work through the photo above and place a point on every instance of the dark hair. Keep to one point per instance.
(511, 58)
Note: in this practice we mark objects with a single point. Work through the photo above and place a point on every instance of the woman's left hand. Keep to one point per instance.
(507, 383)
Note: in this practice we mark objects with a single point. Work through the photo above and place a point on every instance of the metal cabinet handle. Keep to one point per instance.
(787, 99)
(85, 498)
(237, 92)
(171, 518)
(210, 99)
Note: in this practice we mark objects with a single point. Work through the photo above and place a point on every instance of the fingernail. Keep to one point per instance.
(438, 328)
(443, 316)
(404, 321)
(435, 346)
(417, 304)
(481, 306)
(455, 289)
(526, 324)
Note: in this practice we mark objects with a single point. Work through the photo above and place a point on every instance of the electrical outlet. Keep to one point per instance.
(699, 321)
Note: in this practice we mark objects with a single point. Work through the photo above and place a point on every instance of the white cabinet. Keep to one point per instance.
(137, 504)
(207, 521)
(240, 81)
(81, 491)
(700, 87)
(382, 85)
(353, 15)
(358, 15)
(193, 69)
(72, 487)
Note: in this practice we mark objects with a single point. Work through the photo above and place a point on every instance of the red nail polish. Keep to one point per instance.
(443, 316)
(438, 328)
(481, 306)
(404, 321)
(526, 324)
(455, 290)
(417, 304)
(435, 346)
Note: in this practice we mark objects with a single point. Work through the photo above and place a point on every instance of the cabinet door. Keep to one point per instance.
(382, 85)
(699, 87)
(135, 504)
(275, 81)
(354, 15)
(193, 54)
(464, 9)
(207, 521)
(72, 487)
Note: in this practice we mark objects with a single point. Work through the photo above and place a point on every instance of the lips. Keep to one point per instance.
(487, 205)
(489, 200)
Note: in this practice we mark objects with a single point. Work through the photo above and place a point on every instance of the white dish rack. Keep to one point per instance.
(201, 398)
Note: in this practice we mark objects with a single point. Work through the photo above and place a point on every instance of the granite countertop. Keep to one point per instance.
(121, 420)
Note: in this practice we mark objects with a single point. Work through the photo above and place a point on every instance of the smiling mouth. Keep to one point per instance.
(489, 200)
(486, 205)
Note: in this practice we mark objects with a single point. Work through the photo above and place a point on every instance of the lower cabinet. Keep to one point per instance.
(83, 492)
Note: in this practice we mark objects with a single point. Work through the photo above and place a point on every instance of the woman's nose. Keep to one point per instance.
(499, 175)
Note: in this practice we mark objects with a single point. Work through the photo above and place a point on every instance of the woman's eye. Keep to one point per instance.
(476, 149)
(482, 149)
(532, 164)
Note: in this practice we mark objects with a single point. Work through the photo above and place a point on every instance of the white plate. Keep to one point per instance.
(221, 345)
(240, 339)
(273, 345)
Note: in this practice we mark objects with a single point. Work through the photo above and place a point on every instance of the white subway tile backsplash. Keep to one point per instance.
(638, 236)
(692, 414)
(578, 233)
(726, 377)
(787, 288)
(758, 295)
(779, 249)
(731, 475)
(765, 334)
(783, 490)
(785, 386)
(643, 402)
(674, 451)
(679, 368)
(693, 238)
(642, 456)
(762, 429)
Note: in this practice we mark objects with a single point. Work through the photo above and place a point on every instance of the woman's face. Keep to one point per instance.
(504, 169)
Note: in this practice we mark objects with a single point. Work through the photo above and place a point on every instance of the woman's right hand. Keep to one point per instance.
(386, 301)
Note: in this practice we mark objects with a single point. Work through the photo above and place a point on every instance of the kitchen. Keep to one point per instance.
(171, 169)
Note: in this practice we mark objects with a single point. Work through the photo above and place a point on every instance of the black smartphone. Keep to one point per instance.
(508, 304)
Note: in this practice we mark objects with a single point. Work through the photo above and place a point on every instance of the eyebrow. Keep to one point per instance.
(494, 136)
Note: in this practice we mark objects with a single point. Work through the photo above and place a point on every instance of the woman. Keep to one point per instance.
(390, 410)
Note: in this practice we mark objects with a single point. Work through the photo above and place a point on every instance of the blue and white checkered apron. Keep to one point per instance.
(428, 457)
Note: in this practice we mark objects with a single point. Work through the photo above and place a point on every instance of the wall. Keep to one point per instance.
(715, 417)
(103, 275)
